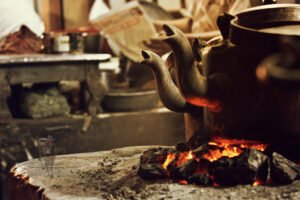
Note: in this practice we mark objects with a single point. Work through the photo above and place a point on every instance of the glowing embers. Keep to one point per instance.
(218, 163)
(169, 159)
(231, 148)
(257, 182)
(214, 106)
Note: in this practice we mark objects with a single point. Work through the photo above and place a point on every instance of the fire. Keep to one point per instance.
(257, 182)
(227, 148)
(215, 149)
(228, 151)
(214, 106)
(169, 159)
(231, 148)
(183, 182)
(222, 142)
(182, 158)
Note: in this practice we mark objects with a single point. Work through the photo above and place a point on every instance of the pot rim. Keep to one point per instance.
(130, 93)
(243, 32)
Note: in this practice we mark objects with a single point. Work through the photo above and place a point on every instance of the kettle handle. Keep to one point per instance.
(270, 69)
(282, 67)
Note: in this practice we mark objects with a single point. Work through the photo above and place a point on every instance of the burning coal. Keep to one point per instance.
(220, 162)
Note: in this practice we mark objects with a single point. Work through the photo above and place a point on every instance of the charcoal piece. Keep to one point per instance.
(283, 171)
(155, 155)
(203, 149)
(200, 179)
(152, 171)
(182, 147)
(185, 170)
(203, 165)
(243, 169)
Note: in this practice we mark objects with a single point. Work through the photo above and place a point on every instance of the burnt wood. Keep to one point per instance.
(203, 149)
(152, 171)
(243, 169)
(185, 170)
(200, 179)
(155, 155)
(283, 171)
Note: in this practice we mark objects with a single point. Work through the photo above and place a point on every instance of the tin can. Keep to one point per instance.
(61, 43)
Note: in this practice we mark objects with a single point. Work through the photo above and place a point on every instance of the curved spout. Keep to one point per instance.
(168, 92)
(191, 83)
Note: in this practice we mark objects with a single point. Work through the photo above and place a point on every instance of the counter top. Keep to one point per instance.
(51, 58)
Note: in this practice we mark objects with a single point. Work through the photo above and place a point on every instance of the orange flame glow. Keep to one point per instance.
(183, 182)
(231, 148)
(257, 182)
(222, 148)
(183, 157)
(169, 159)
(229, 151)
(214, 106)
(222, 142)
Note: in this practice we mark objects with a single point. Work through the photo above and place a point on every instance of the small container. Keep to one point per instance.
(92, 42)
(61, 43)
(130, 100)
(76, 42)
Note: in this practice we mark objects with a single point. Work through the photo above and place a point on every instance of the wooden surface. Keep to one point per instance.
(26, 59)
(113, 175)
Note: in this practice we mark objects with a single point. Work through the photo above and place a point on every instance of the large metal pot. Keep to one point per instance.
(223, 97)
(126, 100)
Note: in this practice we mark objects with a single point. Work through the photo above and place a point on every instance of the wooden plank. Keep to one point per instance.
(96, 90)
(4, 94)
(46, 73)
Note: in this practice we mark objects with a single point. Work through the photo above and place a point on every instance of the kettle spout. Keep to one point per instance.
(167, 90)
(189, 79)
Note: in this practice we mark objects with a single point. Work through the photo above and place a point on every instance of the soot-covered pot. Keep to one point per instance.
(219, 86)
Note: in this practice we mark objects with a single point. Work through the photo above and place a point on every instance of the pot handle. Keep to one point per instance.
(283, 67)
(270, 69)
